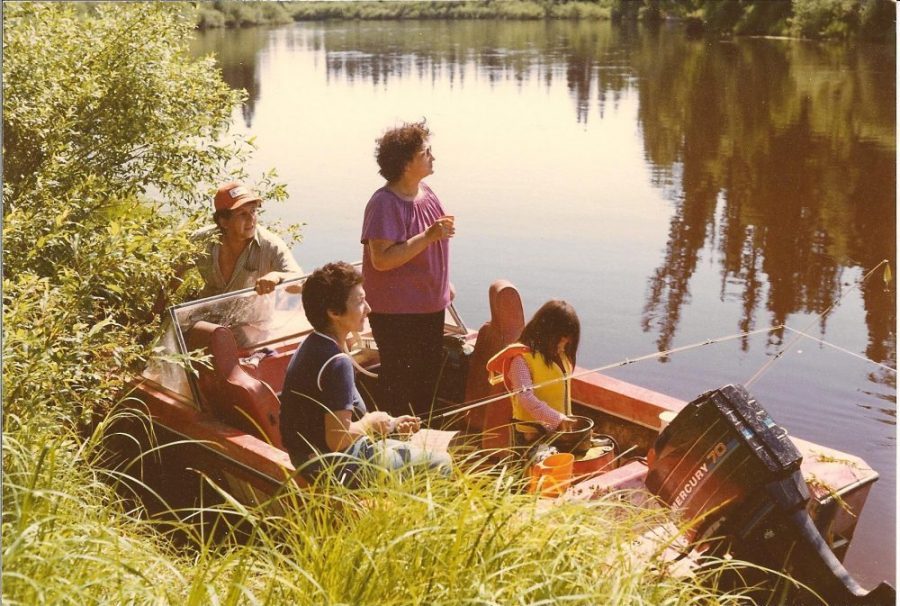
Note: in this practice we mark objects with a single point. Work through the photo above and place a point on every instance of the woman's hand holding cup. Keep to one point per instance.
(442, 228)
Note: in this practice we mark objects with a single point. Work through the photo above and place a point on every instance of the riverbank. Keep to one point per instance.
(871, 20)
(242, 14)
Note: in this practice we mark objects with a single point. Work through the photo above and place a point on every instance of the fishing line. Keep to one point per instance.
(456, 409)
(478, 403)
(768, 363)
(841, 349)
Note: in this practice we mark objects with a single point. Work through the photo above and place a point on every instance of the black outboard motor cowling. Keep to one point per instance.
(724, 461)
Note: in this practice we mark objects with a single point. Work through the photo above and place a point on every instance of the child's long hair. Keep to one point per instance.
(553, 321)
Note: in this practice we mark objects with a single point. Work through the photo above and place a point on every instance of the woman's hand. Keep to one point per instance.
(406, 424)
(566, 424)
(441, 229)
(386, 255)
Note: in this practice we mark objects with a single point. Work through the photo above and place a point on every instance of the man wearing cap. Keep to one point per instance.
(242, 254)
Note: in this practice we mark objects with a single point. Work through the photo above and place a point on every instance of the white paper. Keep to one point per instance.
(432, 440)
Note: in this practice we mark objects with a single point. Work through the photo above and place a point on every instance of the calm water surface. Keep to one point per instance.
(673, 190)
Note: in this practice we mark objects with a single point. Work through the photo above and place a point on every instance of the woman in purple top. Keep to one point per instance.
(406, 269)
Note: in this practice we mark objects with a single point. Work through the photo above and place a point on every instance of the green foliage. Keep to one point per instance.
(878, 21)
(98, 110)
(237, 14)
(208, 17)
(102, 107)
(868, 19)
(581, 10)
(843, 19)
(471, 538)
(243, 14)
(769, 18)
(823, 18)
(66, 536)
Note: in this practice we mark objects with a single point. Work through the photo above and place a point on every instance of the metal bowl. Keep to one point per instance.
(575, 439)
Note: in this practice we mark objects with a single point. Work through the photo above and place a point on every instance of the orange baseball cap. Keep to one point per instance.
(234, 194)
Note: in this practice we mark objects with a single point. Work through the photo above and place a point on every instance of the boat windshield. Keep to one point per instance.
(256, 321)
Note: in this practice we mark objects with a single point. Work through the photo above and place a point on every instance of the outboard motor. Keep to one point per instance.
(724, 461)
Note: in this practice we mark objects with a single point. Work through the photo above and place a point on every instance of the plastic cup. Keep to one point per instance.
(553, 475)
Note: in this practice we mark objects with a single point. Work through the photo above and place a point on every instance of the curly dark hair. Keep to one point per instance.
(398, 146)
(327, 289)
(553, 321)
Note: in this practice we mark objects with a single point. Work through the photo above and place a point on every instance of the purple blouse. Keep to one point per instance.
(422, 284)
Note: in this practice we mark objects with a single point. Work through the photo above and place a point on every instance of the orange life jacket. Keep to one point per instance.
(549, 380)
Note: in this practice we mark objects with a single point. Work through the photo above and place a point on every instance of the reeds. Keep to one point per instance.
(473, 537)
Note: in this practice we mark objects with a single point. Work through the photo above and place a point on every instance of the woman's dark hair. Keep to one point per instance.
(553, 321)
(398, 146)
(327, 289)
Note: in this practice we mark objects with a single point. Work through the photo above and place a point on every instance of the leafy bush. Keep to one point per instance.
(770, 18)
(878, 21)
(581, 10)
(103, 107)
(244, 14)
(97, 113)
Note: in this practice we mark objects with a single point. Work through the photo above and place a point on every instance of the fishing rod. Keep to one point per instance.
(466, 406)
(625, 362)
(841, 349)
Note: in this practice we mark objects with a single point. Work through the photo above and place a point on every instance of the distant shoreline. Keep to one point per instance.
(807, 19)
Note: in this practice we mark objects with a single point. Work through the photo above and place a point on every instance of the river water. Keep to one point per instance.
(673, 190)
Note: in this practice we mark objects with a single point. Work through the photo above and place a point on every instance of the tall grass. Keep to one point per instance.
(472, 537)
(67, 536)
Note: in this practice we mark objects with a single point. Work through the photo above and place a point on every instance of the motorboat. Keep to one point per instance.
(211, 400)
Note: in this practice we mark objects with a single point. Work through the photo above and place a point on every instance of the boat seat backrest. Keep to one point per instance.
(504, 327)
(230, 393)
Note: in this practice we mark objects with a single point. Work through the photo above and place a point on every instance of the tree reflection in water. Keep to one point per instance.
(235, 53)
(789, 173)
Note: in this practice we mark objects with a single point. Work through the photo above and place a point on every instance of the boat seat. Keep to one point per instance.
(228, 391)
(504, 327)
(628, 478)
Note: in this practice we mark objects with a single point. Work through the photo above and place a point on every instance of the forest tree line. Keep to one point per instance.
(872, 20)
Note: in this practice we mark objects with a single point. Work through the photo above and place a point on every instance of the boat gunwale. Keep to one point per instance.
(244, 449)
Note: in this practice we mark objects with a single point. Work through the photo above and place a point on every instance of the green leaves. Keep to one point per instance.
(101, 107)
(115, 97)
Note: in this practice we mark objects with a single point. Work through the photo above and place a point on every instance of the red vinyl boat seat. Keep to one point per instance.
(504, 327)
(628, 478)
(228, 391)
